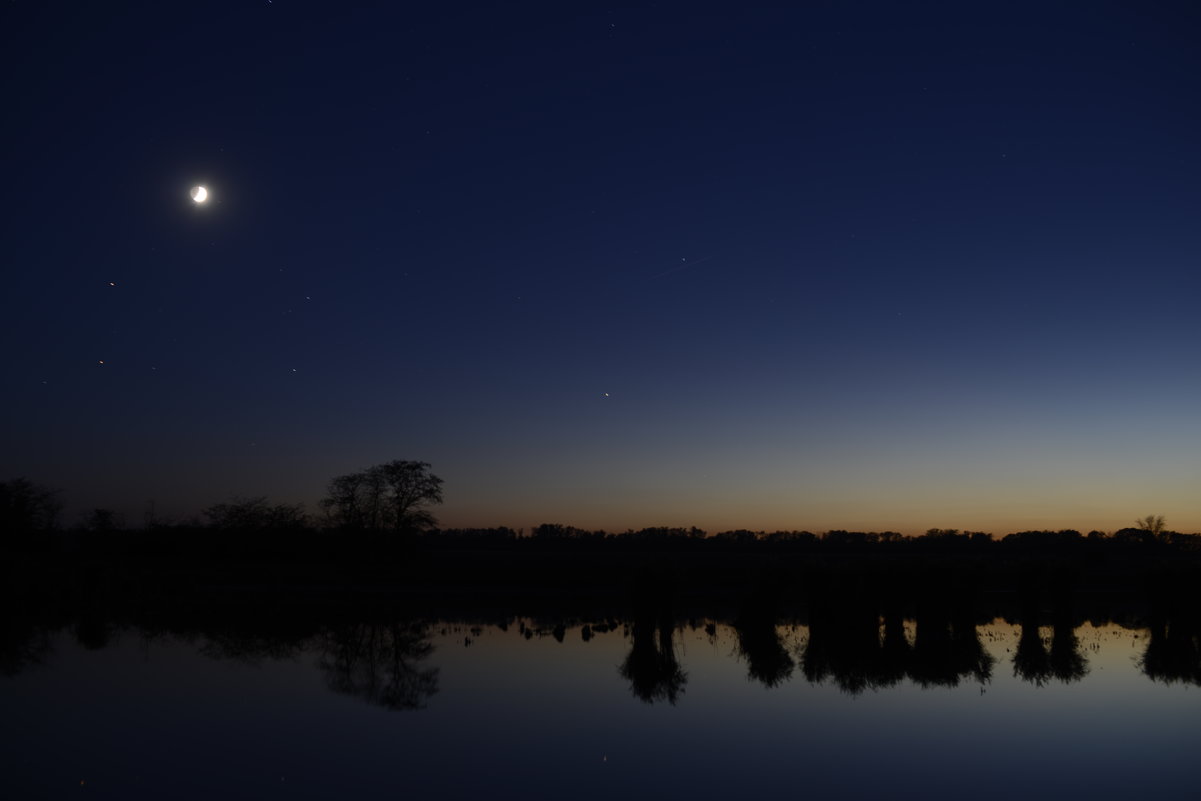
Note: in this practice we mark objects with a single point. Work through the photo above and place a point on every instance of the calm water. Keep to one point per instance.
(700, 710)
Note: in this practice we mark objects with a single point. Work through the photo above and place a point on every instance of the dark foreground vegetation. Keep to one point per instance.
(377, 538)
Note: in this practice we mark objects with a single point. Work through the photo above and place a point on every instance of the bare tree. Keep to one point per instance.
(246, 514)
(381, 663)
(1153, 524)
(393, 495)
(25, 506)
(410, 487)
(100, 520)
(345, 505)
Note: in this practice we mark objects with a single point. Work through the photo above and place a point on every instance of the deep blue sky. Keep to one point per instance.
(844, 265)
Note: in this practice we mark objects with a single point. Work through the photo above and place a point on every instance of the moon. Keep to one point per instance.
(199, 194)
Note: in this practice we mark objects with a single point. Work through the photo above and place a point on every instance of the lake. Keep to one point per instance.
(648, 706)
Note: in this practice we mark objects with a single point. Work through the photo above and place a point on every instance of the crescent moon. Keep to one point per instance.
(199, 194)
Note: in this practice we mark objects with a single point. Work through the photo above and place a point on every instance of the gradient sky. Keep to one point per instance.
(844, 265)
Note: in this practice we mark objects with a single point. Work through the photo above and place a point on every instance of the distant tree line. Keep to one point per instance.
(395, 497)
(935, 539)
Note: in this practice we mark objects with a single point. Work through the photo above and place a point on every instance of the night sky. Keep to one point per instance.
(843, 265)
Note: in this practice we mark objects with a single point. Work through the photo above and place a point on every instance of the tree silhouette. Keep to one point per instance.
(409, 488)
(392, 495)
(1153, 524)
(102, 520)
(254, 514)
(354, 500)
(26, 507)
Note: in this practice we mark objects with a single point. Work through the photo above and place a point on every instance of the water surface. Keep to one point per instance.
(692, 709)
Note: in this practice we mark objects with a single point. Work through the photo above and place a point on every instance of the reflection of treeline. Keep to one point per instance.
(378, 655)
(381, 663)
(1173, 652)
(1038, 658)
(279, 532)
(652, 666)
(858, 638)
(843, 629)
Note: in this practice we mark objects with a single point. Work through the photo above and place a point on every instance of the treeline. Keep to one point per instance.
(393, 496)
(279, 534)
(836, 540)
(383, 510)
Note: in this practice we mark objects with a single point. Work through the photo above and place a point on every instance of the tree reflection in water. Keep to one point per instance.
(22, 645)
(768, 661)
(894, 649)
(947, 647)
(1031, 662)
(380, 663)
(848, 644)
(651, 666)
(858, 638)
(1173, 652)
(844, 644)
(1037, 663)
(255, 641)
(1068, 664)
